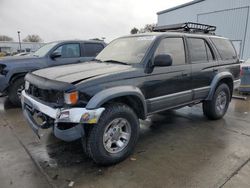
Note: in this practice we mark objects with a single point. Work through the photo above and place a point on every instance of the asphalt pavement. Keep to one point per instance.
(176, 149)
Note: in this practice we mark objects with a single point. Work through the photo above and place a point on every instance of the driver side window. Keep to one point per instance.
(173, 47)
(69, 50)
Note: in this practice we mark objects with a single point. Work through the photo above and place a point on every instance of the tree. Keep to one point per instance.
(147, 28)
(32, 38)
(134, 31)
(5, 38)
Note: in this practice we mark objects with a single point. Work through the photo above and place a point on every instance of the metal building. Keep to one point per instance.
(230, 16)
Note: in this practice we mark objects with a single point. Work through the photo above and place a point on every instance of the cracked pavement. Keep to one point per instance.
(176, 149)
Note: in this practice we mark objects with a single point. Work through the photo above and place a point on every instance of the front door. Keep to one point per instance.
(70, 53)
(170, 86)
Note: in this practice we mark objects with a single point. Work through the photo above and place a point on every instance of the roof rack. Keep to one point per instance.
(189, 27)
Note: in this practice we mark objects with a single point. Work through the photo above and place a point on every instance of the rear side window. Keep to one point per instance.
(225, 48)
(199, 50)
(173, 47)
(92, 49)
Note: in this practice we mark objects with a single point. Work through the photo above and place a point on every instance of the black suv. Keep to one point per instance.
(13, 69)
(135, 76)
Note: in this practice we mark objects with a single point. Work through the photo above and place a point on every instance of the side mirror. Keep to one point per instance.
(55, 55)
(163, 60)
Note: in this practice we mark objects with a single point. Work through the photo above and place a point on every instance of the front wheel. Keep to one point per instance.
(114, 138)
(217, 107)
(15, 91)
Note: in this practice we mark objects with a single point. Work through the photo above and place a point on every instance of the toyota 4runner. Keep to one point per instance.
(135, 76)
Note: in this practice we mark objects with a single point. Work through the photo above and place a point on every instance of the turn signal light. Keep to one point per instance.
(71, 98)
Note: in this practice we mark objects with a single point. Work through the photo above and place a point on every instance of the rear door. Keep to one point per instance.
(204, 63)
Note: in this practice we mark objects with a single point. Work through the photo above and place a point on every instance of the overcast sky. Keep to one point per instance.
(78, 19)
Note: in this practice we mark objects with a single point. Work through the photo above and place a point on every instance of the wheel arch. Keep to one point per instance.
(223, 77)
(17, 76)
(130, 95)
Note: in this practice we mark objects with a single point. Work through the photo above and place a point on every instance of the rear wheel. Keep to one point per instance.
(217, 107)
(115, 136)
(15, 91)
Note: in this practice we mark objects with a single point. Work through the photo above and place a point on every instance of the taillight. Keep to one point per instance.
(241, 71)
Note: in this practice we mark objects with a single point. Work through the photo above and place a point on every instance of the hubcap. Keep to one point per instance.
(117, 135)
(19, 91)
(221, 101)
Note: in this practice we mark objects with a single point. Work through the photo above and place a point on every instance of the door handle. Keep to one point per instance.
(184, 74)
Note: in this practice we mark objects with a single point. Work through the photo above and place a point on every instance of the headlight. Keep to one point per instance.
(71, 98)
(27, 85)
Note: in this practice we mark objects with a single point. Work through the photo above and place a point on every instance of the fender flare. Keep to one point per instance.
(111, 93)
(215, 82)
(21, 71)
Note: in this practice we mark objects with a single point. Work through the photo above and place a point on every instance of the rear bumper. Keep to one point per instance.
(236, 84)
(76, 116)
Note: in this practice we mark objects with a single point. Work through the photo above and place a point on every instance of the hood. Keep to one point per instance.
(75, 73)
(9, 61)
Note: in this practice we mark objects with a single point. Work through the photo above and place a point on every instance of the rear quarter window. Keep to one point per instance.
(225, 48)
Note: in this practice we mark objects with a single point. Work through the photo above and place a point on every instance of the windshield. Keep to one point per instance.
(44, 49)
(129, 50)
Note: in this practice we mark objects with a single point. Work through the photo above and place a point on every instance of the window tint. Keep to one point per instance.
(92, 49)
(197, 50)
(225, 48)
(69, 50)
(173, 47)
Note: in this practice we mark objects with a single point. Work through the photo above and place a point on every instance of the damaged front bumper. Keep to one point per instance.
(77, 116)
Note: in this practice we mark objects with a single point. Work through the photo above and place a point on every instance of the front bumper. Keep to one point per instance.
(77, 116)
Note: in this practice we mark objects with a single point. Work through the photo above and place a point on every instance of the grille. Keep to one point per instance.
(49, 96)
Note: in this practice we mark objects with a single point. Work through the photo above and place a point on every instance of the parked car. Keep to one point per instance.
(245, 78)
(13, 69)
(135, 76)
(22, 54)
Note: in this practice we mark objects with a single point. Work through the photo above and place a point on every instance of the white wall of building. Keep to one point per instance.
(11, 47)
(230, 16)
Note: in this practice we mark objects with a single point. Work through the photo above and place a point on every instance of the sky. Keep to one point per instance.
(78, 19)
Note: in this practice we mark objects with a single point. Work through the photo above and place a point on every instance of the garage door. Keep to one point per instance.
(230, 23)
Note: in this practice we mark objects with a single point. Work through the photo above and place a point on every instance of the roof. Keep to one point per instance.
(180, 6)
(173, 33)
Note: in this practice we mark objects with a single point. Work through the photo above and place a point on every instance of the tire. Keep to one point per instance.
(84, 139)
(217, 107)
(15, 91)
(99, 136)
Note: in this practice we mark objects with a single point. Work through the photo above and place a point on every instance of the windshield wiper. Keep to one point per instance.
(114, 61)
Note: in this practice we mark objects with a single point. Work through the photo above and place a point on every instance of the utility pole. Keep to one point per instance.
(18, 32)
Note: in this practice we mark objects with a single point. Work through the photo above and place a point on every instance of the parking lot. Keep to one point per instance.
(176, 149)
